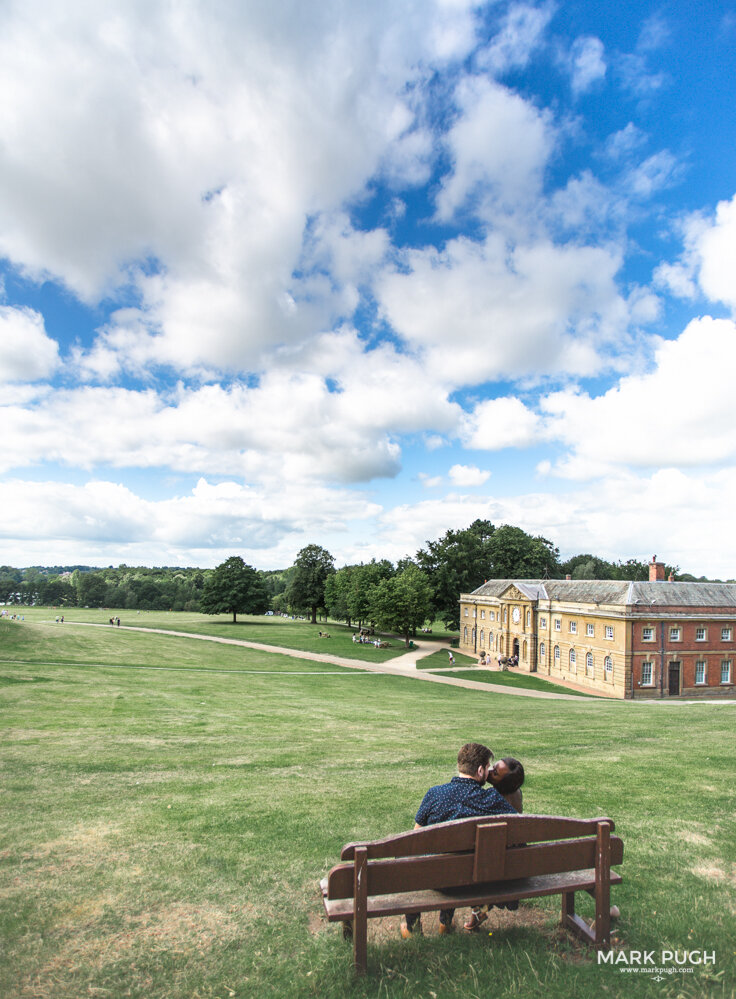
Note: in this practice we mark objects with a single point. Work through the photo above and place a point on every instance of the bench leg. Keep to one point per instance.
(571, 921)
(603, 887)
(360, 922)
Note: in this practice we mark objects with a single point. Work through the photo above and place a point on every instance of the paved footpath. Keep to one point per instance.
(404, 665)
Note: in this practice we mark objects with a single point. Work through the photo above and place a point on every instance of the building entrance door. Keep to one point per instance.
(674, 679)
(516, 649)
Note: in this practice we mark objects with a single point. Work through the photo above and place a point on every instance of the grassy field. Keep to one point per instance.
(501, 678)
(169, 806)
(278, 631)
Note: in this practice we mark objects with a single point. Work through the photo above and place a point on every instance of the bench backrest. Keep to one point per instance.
(476, 850)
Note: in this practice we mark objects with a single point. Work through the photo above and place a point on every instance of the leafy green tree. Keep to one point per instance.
(403, 602)
(457, 563)
(337, 593)
(306, 590)
(363, 579)
(516, 554)
(234, 588)
(91, 589)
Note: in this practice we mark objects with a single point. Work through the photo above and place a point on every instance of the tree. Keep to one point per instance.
(306, 589)
(516, 554)
(457, 563)
(337, 593)
(403, 602)
(234, 588)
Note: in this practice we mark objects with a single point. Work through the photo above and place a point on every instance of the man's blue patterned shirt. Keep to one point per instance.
(462, 798)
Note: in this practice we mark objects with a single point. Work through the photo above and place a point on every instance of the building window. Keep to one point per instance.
(700, 634)
(490, 639)
(528, 618)
(465, 634)
(647, 634)
(481, 638)
(475, 612)
(543, 624)
(558, 624)
(466, 612)
(589, 670)
(573, 627)
(541, 653)
(646, 674)
(505, 615)
(557, 653)
(608, 667)
(573, 661)
(725, 672)
(492, 615)
(609, 631)
(674, 634)
(482, 615)
(725, 634)
(590, 630)
(700, 671)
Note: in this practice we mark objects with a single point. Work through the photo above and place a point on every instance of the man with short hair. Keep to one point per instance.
(462, 798)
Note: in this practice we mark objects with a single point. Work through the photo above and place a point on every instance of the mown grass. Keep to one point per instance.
(277, 631)
(504, 678)
(436, 660)
(163, 832)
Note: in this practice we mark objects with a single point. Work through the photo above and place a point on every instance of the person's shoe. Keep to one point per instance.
(474, 921)
(408, 931)
(446, 928)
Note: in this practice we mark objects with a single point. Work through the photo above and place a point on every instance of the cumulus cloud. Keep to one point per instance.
(488, 310)
(468, 475)
(587, 63)
(499, 147)
(500, 423)
(708, 260)
(27, 353)
(520, 32)
(680, 413)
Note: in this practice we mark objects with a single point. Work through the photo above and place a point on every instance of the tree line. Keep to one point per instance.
(397, 597)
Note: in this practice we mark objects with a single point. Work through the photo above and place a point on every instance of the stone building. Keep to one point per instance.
(651, 639)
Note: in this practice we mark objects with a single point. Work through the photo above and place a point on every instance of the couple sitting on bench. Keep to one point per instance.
(465, 797)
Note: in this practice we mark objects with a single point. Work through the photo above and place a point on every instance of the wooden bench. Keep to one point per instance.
(490, 859)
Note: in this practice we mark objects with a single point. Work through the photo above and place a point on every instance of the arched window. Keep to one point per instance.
(573, 661)
(481, 637)
(589, 671)
(465, 634)
(608, 667)
(557, 654)
(528, 618)
(541, 651)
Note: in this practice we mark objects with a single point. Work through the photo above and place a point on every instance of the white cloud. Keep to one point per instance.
(182, 153)
(681, 413)
(520, 33)
(27, 353)
(468, 475)
(481, 311)
(587, 63)
(499, 147)
(499, 423)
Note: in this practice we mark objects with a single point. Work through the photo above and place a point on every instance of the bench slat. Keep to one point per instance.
(418, 873)
(460, 835)
(430, 899)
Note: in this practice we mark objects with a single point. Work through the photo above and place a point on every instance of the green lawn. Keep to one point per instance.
(439, 659)
(292, 634)
(163, 829)
(503, 678)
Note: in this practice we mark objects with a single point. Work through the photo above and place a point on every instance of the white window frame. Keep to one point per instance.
(543, 624)
(647, 674)
(528, 618)
(725, 634)
(558, 624)
(573, 661)
(648, 633)
(466, 612)
(726, 671)
(675, 634)
(557, 654)
(481, 639)
(701, 667)
(589, 664)
(541, 650)
(590, 630)
(609, 632)
(608, 667)
(482, 615)
(701, 634)
(573, 627)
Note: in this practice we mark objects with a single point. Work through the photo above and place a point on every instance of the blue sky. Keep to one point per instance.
(356, 275)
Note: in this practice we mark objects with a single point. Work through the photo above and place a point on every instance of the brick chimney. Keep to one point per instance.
(656, 571)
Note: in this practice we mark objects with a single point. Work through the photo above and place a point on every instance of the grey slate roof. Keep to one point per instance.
(608, 591)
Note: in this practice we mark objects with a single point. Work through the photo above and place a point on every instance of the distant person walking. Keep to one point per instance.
(452, 658)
